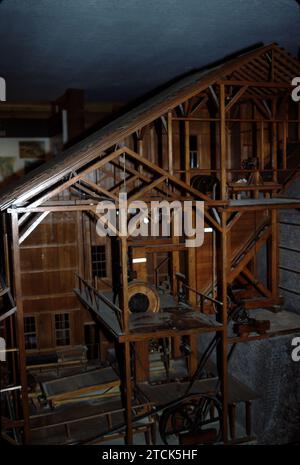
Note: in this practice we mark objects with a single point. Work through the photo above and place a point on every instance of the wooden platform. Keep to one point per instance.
(262, 203)
(281, 323)
(161, 394)
(183, 321)
(143, 326)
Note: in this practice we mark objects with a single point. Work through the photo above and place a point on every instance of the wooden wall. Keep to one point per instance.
(50, 256)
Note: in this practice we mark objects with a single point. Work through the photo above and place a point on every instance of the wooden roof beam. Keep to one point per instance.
(236, 97)
(60, 188)
(266, 84)
(32, 225)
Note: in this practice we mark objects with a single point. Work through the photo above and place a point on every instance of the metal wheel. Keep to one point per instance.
(195, 418)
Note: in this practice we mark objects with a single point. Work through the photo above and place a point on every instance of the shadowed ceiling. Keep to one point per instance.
(120, 49)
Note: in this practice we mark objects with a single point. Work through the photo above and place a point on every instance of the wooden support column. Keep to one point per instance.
(187, 152)
(170, 142)
(274, 141)
(175, 260)
(127, 382)
(140, 149)
(193, 357)
(223, 143)
(285, 131)
(262, 147)
(222, 351)
(141, 361)
(273, 255)
(192, 273)
(20, 324)
(152, 144)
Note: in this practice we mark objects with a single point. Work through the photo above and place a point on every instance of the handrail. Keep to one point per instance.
(203, 297)
(96, 293)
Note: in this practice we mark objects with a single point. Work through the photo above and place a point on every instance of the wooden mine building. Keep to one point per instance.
(166, 317)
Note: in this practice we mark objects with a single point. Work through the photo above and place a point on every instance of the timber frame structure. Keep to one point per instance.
(147, 151)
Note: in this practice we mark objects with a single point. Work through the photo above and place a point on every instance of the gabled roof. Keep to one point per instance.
(241, 67)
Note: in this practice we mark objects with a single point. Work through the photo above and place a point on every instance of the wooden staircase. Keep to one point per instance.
(250, 233)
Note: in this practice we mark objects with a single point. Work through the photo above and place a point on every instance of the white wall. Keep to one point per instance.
(9, 148)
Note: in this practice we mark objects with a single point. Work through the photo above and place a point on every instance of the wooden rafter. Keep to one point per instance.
(200, 104)
(233, 221)
(98, 189)
(57, 190)
(142, 192)
(236, 97)
(32, 225)
(142, 177)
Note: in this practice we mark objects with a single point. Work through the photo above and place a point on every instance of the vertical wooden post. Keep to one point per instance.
(274, 141)
(192, 273)
(262, 147)
(140, 148)
(170, 142)
(187, 152)
(222, 317)
(223, 143)
(175, 258)
(141, 361)
(127, 383)
(152, 144)
(193, 357)
(128, 394)
(20, 324)
(285, 134)
(273, 264)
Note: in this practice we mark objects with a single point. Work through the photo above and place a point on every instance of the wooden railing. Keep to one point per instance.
(94, 298)
(203, 297)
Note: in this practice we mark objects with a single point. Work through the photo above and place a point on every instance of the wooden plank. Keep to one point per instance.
(170, 142)
(223, 151)
(141, 359)
(20, 324)
(274, 254)
(274, 142)
(187, 160)
(222, 350)
(262, 146)
(266, 84)
(284, 139)
(149, 334)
